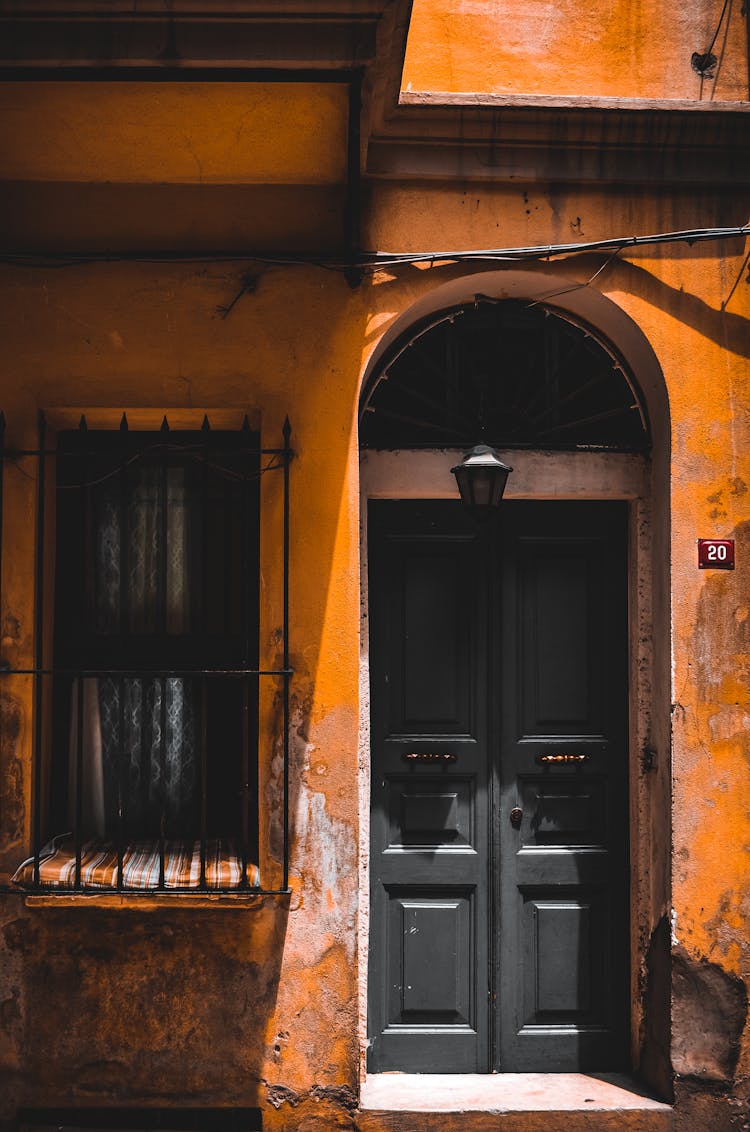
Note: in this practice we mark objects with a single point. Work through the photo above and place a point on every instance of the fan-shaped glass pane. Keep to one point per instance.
(514, 374)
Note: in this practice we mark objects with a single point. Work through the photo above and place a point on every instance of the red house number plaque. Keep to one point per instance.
(716, 554)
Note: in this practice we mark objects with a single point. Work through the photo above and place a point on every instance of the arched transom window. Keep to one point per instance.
(513, 374)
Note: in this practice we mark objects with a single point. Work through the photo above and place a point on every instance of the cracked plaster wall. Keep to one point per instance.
(260, 1006)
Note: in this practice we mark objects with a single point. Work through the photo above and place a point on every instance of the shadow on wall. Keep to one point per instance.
(108, 1006)
(730, 330)
(709, 1011)
(140, 1018)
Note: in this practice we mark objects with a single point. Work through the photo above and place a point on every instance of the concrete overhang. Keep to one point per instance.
(72, 35)
(532, 138)
(274, 148)
(221, 126)
(101, 163)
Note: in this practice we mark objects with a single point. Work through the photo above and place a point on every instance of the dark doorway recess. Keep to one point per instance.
(499, 864)
(517, 374)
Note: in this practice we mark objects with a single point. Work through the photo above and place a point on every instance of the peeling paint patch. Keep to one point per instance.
(19, 935)
(12, 786)
(279, 1095)
(102, 1078)
(721, 633)
(10, 1011)
(328, 842)
(709, 1011)
(727, 723)
(342, 1095)
(699, 1107)
(11, 634)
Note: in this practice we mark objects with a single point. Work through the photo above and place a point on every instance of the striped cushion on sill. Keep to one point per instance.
(140, 865)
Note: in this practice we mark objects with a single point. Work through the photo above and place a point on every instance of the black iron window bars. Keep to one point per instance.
(154, 666)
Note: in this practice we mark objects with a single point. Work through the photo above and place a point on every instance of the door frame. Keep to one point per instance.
(538, 475)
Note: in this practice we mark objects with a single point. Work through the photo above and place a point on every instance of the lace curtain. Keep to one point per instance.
(138, 749)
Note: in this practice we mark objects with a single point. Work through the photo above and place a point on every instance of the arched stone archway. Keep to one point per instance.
(518, 374)
(642, 482)
(610, 322)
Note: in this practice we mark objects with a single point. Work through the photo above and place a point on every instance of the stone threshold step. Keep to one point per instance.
(516, 1102)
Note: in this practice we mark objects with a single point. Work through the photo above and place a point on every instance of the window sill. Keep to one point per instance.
(147, 902)
(565, 1094)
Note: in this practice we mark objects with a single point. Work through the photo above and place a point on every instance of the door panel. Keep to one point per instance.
(563, 813)
(431, 935)
(435, 638)
(430, 635)
(563, 760)
(431, 811)
(498, 660)
(429, 915)
(556, 617)
(558, 982)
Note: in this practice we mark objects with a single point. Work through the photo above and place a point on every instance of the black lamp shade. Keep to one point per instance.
(481, 477)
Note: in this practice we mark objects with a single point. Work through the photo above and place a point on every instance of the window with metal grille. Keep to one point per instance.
(146, 719)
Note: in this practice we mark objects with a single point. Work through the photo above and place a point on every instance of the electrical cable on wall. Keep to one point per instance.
(704, 62)
(374, 261)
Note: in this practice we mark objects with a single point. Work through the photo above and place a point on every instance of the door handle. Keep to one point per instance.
(430, 757)
(562, 759)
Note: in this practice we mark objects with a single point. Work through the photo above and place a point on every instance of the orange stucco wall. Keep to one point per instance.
(225, 999)
(607, 48)
(259, 1005)
(181, 132)
(230, 1002)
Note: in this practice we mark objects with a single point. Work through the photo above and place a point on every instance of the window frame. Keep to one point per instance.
(43, 666)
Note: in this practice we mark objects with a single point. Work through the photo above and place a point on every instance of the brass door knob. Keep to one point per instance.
(516, 814)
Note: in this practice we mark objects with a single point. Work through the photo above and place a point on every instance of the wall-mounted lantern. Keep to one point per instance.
(481, 477)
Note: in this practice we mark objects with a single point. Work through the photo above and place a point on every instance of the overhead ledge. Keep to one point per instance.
(540, 139)
(489, 101)
(42, 34)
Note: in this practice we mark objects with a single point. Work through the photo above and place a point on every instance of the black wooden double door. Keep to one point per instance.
(498, 671)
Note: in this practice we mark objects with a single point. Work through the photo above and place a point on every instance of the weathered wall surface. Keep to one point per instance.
(613, 48)
(208, 1006)
(205, 165)
(259, 1006)
(693, 306)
